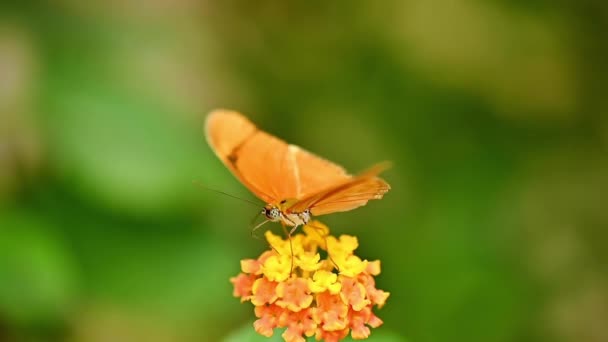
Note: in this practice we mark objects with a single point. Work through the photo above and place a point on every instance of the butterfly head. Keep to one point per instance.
(272, 213)
(276, 213)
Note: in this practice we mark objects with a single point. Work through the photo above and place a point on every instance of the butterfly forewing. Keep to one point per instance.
(227, 132)
(272, 169)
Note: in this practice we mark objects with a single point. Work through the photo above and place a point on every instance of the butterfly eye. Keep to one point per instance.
(272, 214)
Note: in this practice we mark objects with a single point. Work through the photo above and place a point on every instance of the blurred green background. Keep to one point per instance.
(495, 114)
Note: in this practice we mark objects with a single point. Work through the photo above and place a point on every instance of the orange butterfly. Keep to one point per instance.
(293, 182)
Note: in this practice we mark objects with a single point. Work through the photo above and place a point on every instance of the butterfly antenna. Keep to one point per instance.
(227, 194)
(255, 218)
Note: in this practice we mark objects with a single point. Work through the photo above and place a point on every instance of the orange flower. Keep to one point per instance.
(264, 292)
(298, 324)
(331, 312)
(291, 287)
(242, 286)
(354, 293)
(268, 318)
(294, 295)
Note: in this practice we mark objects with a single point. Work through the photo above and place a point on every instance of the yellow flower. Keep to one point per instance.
(292, 287)
(342, 247)
(315, 235)
(308, 261)
(351, 265)
(277, 243)
(277, 267)
(284, 247)
(324, 281)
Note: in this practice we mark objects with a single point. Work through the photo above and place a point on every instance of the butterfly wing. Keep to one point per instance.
(355, 196)
(345, 196)
(272, 169)
(314, 173)
(227, 134)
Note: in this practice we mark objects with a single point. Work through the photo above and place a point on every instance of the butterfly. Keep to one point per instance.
(295, 184)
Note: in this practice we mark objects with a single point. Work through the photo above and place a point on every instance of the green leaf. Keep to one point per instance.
(122, 150)
(36, 275)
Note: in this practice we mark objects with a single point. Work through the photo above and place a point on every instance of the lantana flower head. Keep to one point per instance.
(292, 287)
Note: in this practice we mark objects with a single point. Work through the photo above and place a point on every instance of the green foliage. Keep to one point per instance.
(38, 280)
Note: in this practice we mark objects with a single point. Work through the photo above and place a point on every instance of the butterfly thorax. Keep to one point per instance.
(280, 212)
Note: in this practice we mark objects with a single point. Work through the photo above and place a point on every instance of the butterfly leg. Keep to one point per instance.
(322, 232)
(293, 230)
(288, 233)
(253, 235)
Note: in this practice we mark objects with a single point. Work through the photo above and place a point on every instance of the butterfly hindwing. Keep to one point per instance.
(350, 194)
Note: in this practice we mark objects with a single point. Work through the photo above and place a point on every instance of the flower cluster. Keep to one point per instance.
(292, 287)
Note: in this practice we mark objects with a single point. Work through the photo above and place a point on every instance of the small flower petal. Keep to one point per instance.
(351, 266)
(331, 312)
(373, 267)
(308, 261)
(378, 297)
(264, 292)
(294, 294)
(267, 319)
(324, 281)
(331, 336)
(343, 247)
(374, 321)
(316, 234)
(358, 319)
(278, 244)
(250, 266)
(353, 293)
(277, 267)
(293, 334)
(243, 284)
(298, 324)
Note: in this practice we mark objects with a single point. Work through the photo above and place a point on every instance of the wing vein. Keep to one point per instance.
(296, 169)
